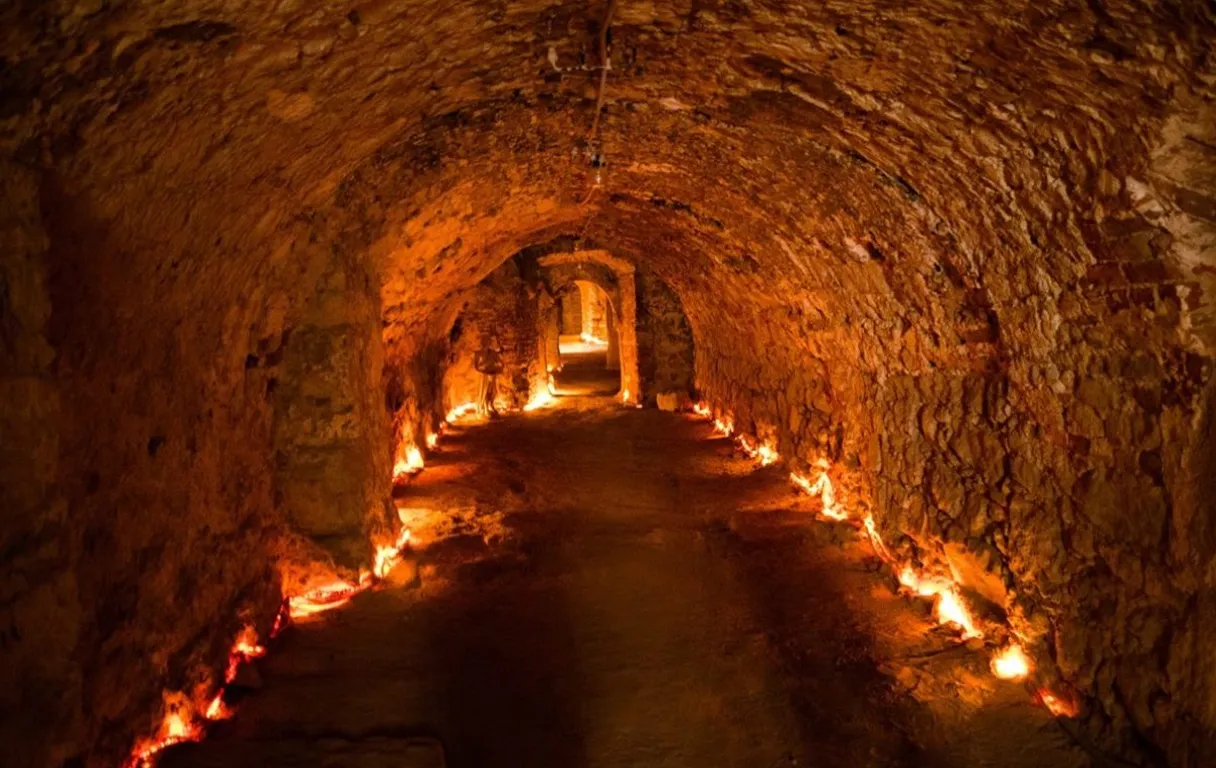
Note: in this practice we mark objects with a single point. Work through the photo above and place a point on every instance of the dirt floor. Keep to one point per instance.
(585, 370)
(605, 586)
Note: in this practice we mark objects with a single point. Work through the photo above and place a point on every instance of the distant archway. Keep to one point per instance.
(587, 272)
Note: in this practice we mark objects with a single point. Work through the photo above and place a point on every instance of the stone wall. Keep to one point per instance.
(504, 310)
(572, 311)
(165, 469)
(330, 429)
(665, 344)
(595, 311)
(41, 616)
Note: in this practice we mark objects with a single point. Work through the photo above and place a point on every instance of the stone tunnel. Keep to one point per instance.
(277, 276)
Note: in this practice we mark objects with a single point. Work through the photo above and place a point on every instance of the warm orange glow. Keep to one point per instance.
(461, 411)
(1057, 705)
(701, 409)
(177, 727)
(802, 482)
(388, 555)
(591, 339)
(764, 453)
(724, 425)
(410, 464)
(876, 540)
(950, 607)
(217, 709)
(324, 598)
(245, 647)
(247, 644)
(822, 487)
(1011, 663)
(280, 620)
(951, 610)
(432, 440)
(767, 454)
(540, 399)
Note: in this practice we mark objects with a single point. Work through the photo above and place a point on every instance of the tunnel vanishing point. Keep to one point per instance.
(951, 265)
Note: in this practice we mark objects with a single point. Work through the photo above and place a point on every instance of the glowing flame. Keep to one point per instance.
(1011, 663)
(592, 339)
(217, 709)
(323, 598)
(280, 620)
(540, 399)
(177, 727)
(822, 487)
(461, 411)
(625, 396)
(432, 440)
(1057, 705)
(244, 648)
(950, 608)
(764, 453)
(410, 464)
(702, 410)
(875, 540)
(724, 425)
(767, 454)
(388, 555)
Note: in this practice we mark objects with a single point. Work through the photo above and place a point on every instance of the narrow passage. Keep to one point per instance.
(605, 586)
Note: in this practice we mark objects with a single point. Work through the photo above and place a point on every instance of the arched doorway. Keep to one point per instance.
(588, 360)
(591, 332)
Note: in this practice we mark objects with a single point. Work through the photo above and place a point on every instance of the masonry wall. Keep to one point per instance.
(40, 623)
(665, 343)
(503, 308)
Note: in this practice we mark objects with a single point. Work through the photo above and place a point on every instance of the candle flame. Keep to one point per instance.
(217, 709)
(388, 555)
(876, 541)
(764, 452)
(1057, 705)
(822, 487)
(410, 464)
(542, 398)
(244, 648)
(1011, 663)
(461, 411)
(177, 727)
(324, 598)
(950, 608)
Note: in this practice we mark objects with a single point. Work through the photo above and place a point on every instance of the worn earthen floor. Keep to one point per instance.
(605, 586)
(585, 371)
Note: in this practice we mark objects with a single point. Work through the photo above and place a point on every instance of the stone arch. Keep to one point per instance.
(615, 276)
